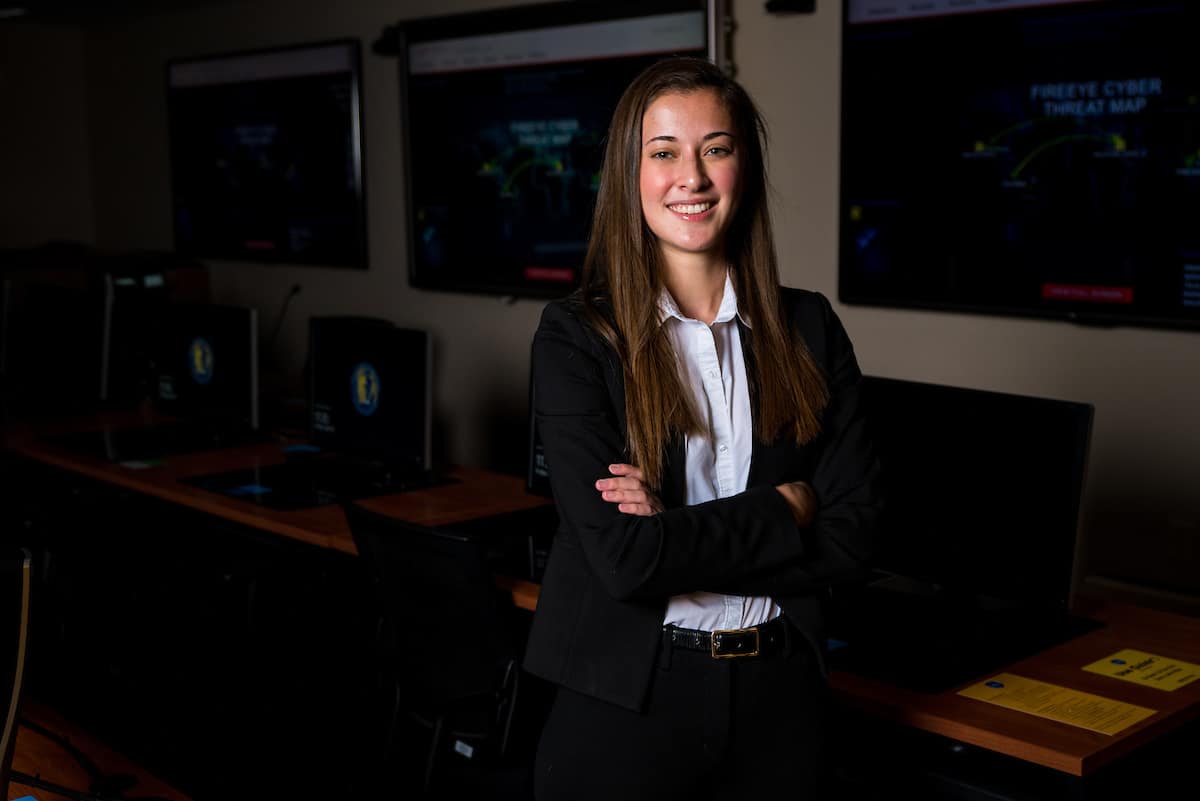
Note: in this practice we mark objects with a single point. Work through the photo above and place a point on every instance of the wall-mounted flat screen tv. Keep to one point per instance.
(504, 118)
(266, 155)
(1028, 158)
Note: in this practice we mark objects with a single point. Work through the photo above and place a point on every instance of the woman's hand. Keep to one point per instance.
(800, 496)
(628, 491)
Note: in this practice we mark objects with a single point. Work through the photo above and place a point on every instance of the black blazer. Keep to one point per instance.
(599, 618)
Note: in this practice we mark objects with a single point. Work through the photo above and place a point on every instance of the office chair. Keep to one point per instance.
(447, 649)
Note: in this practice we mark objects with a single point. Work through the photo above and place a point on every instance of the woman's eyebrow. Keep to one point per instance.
(705, 138)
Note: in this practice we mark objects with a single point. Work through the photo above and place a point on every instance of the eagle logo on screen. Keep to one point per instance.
(364, 389)
(200, 360)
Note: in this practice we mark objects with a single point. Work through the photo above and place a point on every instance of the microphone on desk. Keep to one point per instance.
(287, 301)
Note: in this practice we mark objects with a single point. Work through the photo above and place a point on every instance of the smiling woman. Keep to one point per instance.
(689, 182)
(710, 466)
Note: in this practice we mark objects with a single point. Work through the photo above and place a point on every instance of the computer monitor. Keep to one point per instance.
(51, 347)
(982, 490)
(207, 364)
(371, 391)
(135, 306)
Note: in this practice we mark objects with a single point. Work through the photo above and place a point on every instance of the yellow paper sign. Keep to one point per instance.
(1062, 704)
(1146, 669)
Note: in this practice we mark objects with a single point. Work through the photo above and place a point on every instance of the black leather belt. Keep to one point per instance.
(758, 641)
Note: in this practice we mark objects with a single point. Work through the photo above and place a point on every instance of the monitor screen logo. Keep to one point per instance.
(200, 360)
(364, 389)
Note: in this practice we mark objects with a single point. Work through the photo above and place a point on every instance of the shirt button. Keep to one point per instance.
(724, 448)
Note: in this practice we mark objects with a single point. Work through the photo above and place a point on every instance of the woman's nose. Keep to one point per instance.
(692, 175)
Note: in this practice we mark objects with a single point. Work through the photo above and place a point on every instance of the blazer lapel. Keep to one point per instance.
(746, 334)
(674, 488)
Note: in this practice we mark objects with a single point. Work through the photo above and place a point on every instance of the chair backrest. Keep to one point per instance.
(438, 601)
(14, 638)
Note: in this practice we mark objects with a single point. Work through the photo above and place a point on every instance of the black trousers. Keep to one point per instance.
(750, 728)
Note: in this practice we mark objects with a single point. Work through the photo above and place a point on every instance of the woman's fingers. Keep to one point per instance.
(619, 484)
(627, 488)
(802, 500)
(626, 495)
(628, 470)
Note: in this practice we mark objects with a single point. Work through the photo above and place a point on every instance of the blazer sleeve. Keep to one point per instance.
(578, 391)
(839, 543)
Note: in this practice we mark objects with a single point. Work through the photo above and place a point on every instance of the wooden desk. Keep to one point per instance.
(1058, 746)
(276, 598)
(479, 493)
(472, 494)
(36, 755)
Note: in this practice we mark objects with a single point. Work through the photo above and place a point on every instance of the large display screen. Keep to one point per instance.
(1039, 159)
(505, 115)
(266, 156)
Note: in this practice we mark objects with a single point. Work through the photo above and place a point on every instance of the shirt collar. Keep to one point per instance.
(668, 308)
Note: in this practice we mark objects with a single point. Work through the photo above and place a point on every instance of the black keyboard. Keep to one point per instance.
(932, 644)
(319, 481)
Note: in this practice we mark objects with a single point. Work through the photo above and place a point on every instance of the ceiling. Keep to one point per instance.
(92, 12)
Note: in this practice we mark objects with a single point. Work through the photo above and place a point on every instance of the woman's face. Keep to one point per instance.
(689, 172)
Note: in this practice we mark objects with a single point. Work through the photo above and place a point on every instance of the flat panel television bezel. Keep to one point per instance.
(1015, 158)
(336, 233)
(506, 42)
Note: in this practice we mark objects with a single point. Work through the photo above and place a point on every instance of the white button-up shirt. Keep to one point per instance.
(718, 462)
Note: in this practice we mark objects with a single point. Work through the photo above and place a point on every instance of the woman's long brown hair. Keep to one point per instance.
(623, 271)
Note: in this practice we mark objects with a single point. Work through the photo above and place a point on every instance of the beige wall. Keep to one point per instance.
(1143, 513)
(45, 174)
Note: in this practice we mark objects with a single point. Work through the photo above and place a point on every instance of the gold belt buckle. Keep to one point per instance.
(713, 643)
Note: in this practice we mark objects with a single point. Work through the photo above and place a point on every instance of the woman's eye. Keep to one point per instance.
(718, 150)
(661, 154)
